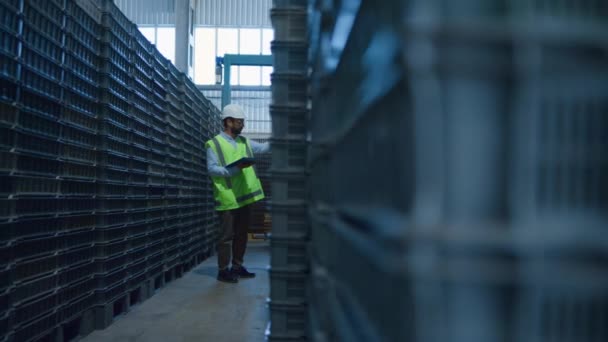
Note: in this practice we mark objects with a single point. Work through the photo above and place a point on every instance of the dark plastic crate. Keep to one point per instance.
(111, 175)
(289, 89)
(38, 287)
(19, 186)
(42, 21)
(115, 161)
(80, 29)
(289, 122)
(117, 41)
(109, 55)
(290, 220)
(85, 19)
(78, 154)
(139, 166)
(287, 321)
(70, 258)
(27, 249)
(81, 86)
(111, 249)
(34, 39)
(76, 307)
(36, 308)
(106, 295)
(51, 10)
(84, 238)
(111, 279)
(82, 51)
(114, 19)
(24, 228)
(35, 268)
(38, 329)
(116, 110)
(114, 72)
(76, 136)
(288, 286)
(77, 290)
(289, 154)
(112, 220)
(79, 205)
(9, 113)
(87, 110)
(75, 170)
(37, 145)
(109, 265)
(41, 84)
(116, 132)
(115, 146)
(9, 20)
(140, 140)
(289, 186)
(41, 64)
(290, 24)
(289, 56)
(288, 253)
(39, 125)
(77, 273)
(81, 67)
(8, 91)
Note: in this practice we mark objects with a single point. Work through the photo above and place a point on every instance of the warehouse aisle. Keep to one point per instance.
(198, 308)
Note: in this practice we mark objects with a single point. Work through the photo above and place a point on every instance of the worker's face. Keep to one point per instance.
(236, 125)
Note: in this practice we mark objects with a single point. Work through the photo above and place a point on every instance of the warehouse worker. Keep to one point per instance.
(235, 188)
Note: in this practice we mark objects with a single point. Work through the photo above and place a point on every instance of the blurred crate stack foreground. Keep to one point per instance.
(288, 171)
(457, 173)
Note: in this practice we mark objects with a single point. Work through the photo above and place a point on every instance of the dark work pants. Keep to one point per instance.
(232, 238)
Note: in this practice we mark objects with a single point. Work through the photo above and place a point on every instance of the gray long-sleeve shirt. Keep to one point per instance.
(216, 170)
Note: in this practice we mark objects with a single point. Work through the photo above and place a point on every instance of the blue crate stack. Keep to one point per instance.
(104, 195)
(288, 174)
(458, 178)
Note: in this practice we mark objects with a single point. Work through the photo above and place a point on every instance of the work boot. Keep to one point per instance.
(241, 272)
(227, 276)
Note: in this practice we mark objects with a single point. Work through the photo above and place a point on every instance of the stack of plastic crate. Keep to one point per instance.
(260, 215)
(288, 174)
(47, 200)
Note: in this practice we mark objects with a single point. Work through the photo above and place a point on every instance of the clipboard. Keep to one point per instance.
(244, 160)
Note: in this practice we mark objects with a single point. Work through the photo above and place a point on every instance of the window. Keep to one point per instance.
(165, 42)
(266, 71)
(149, 33)
(267, 37)
(163, 38)
(204, 52)
(210, 42)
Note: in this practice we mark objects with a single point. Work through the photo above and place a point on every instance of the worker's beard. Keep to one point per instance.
(236, 131)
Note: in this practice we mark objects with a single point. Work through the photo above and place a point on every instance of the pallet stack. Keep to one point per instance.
(288, 173)
(103, 185)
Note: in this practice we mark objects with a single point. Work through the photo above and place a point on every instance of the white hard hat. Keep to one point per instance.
(233, 111)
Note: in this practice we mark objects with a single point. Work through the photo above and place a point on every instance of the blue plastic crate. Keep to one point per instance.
(81, 67)
(74, 188)
(36, 145)
(77, 136)
(41, 84)
(39, 125)
(40, 104)
(114, 161)
(82, 122)
(36, 247)
(20, 186)
(38, 329)
(46, 29)
(9, 43)
(81, 86)
(77, 153)
(75, 170)
(9, 20)
(121, 133)
(81, 31)
(51, 10)
(8, 70)
(87, 108)
(117, 41)
(116, 73)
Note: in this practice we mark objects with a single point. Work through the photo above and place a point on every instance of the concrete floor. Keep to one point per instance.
(198, 308)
